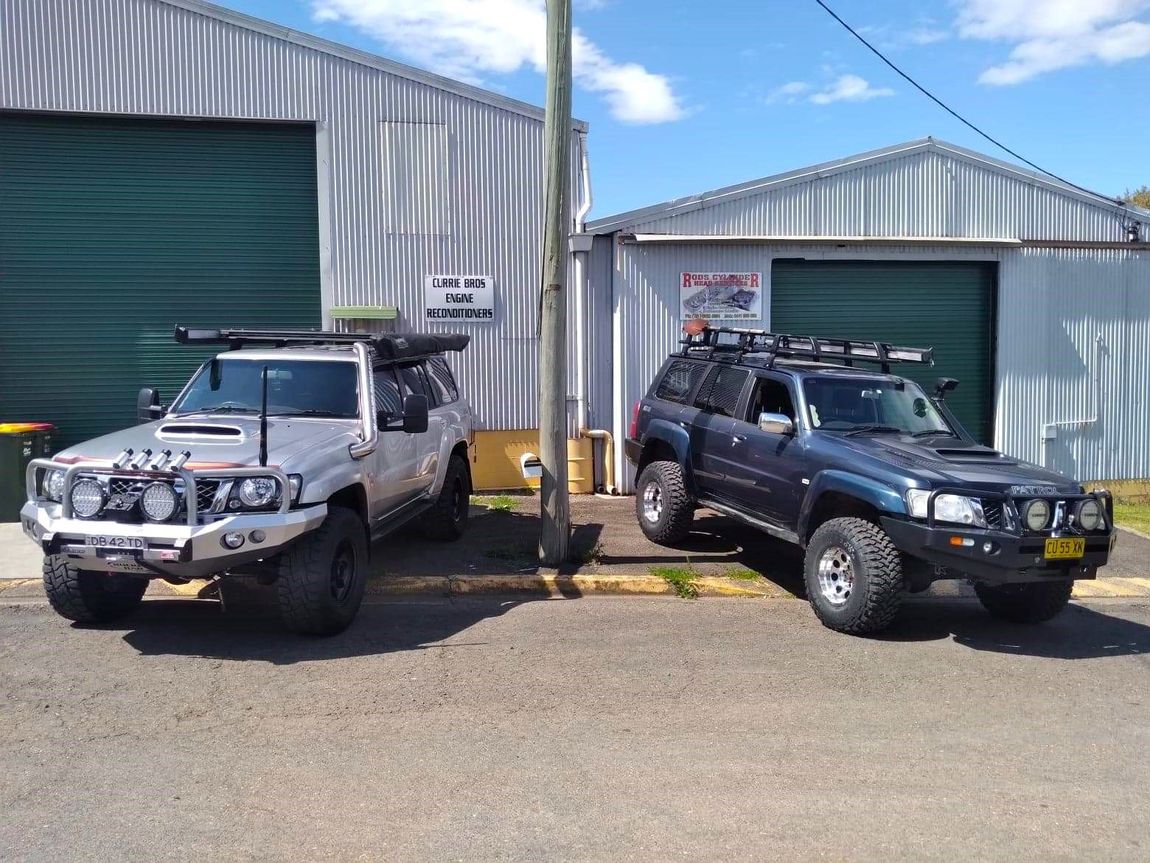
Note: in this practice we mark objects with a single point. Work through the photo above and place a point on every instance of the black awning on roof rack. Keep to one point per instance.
(387, 346)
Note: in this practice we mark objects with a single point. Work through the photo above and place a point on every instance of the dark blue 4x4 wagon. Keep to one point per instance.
(875, 478)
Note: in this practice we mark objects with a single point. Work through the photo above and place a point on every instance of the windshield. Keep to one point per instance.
(861, 404)
(295, 388)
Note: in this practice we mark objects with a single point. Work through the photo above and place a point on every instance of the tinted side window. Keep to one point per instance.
(720, 391)
(441, 380)
(387, 397)
(414, 382)
(770, 397)
(679, 380)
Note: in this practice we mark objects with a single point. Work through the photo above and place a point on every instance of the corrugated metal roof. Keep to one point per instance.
(671, 209)
(363, 58)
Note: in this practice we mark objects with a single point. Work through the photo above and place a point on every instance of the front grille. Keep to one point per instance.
(992, 510)
(206, 493)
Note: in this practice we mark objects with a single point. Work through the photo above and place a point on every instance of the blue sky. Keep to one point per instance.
(683, 97)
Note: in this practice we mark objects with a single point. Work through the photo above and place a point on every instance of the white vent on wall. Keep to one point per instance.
(415, 178)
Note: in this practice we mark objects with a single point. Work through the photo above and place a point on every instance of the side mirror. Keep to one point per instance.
(414, 414)
(776, 424)
(148, 405)
(943, 386)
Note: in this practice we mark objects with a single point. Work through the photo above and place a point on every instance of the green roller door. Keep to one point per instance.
(947, 305)
(113, 230)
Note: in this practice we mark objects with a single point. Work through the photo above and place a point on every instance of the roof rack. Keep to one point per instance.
(388, 346)
(846, 352)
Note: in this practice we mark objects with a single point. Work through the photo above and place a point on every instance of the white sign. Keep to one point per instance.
(721, 296)
(459, 298)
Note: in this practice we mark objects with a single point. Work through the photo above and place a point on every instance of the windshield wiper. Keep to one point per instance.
(934, 432)
(311, 412)
(220, 409)
(871, 428)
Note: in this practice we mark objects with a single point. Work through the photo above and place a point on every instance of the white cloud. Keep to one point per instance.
(1048, 35)
(468, 39)
(849, 88)
(845, 88)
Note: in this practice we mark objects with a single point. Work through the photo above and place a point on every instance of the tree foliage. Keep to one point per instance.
(1140, 197)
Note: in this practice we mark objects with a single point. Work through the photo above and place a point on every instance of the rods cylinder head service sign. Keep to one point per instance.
(459, 298)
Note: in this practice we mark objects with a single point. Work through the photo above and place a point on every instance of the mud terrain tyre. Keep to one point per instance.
(662, 505)
(1034, 602)
(447, 520)
(322, 577)
(87, 596)
(853, 576)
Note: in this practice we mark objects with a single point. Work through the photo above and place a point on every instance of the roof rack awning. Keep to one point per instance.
(785, 239)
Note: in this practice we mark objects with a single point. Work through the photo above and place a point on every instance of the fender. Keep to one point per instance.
(676, 437)
(879, 495)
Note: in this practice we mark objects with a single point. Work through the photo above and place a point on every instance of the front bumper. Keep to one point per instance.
(175, 549)
(1012, 559)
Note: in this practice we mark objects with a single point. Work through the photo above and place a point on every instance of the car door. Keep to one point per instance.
(766, 470)
(392, 466)
(712, 426)
(413, 379)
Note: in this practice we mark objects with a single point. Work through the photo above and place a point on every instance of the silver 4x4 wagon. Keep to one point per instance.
(282, 458)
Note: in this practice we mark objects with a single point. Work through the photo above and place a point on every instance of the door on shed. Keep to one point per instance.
(945, 305)
(114, 230)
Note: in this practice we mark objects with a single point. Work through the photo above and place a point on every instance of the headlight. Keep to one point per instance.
(1036, 514)
(87, 498)
(258, 491)
(1088, 515)
(951, 508)
(159, 501)
(52, 485)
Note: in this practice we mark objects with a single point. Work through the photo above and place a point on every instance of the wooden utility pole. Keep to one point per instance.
(555, 507)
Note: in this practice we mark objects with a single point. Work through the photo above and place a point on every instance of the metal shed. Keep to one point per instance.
(169, 161)
(1034, 292)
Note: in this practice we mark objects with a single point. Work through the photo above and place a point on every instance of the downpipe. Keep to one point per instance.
(609, 484)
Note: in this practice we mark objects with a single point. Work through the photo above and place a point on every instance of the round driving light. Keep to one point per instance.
(159, 501)
(232, 539)
(87, 498)
(257, 536)
(258, 491)
(54, 485)
(1089, 515)
(1037, 514)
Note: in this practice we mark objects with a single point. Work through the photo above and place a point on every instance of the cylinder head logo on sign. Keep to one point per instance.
(721, 296)
(459, 298)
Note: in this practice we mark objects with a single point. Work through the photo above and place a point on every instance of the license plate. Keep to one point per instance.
(1065, 548)
(125, 542)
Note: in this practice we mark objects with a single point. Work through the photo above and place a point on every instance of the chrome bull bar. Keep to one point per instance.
(33, 481)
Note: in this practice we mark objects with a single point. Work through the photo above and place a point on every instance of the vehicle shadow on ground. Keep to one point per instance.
(250, 631)
(1080, 632)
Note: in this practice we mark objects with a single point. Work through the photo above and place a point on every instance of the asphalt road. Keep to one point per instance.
(591, 729)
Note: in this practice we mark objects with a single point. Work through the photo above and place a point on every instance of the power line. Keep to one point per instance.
(951, 111)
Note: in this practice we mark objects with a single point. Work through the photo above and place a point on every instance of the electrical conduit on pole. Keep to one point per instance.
(555, 508)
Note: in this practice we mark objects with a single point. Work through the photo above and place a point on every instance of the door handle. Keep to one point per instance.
(737, 439)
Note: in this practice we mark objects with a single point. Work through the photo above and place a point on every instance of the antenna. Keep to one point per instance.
(264, 417)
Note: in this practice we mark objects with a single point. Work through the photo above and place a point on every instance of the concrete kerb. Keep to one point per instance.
(546, 584)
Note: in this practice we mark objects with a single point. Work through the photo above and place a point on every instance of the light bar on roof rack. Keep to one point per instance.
(709, 340)
(388, 346)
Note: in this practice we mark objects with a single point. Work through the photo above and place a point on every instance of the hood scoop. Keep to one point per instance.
(974, 454)
(200, 432)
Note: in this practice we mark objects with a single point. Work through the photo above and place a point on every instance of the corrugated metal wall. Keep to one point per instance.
(146, 57)
(924, 193)
(1051, 365)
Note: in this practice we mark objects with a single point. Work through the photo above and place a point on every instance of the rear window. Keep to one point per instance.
(720, 392)
(679, 381)
(442, 381)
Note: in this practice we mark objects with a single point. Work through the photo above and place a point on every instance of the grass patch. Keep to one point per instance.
(497, 503)
(742, 573)
(586, 557)
(682, 580)
(511, 553)
(1135, 515)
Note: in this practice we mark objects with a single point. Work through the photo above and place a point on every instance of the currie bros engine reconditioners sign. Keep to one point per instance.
(459, 298)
